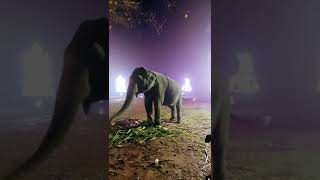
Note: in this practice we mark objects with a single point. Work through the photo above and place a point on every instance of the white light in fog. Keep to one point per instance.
(187, 85)
(120, 85)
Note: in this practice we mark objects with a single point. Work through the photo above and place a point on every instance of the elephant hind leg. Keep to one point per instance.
(173, 112)
(178, 107)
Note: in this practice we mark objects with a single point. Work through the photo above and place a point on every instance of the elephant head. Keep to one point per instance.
(84, 68)
(141, 81)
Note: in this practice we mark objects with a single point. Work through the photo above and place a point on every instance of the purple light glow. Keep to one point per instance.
(183, 49)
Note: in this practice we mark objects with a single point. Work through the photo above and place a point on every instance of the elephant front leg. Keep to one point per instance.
(219, 156)
(148, 107)
(220, 140)
(157, 107)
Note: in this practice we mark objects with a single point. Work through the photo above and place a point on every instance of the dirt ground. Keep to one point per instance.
(180, 157)
(82, 156)
(272, 153)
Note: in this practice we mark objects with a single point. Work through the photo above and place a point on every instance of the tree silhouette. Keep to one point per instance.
(146, 13)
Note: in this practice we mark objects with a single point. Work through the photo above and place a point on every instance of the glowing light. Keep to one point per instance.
(120, 85)
(186, 15)
(187, 85)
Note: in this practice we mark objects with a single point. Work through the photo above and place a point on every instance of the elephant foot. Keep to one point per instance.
(178, 121)
(208, 138)
(149, 123)
(157, 122)
(172, 119)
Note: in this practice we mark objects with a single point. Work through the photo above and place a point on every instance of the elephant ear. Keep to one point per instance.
(162, 83)
(152, 79)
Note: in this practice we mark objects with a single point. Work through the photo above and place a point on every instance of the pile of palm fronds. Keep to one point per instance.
(142, 134)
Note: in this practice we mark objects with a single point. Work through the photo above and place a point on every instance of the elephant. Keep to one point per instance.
(158, 90)
(221, 122)
(84, 80)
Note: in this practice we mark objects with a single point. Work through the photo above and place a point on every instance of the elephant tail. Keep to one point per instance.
(69, 96)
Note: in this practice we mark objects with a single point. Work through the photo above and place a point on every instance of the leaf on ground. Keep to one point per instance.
(142, 134)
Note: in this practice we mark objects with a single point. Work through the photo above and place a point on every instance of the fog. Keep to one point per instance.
(283, 39)
(50, 24)
(181, 50)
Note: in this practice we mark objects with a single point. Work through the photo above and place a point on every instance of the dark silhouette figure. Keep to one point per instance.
(84, 68)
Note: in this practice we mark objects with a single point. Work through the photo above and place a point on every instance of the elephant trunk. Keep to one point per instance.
(132, 91)
(69, 96)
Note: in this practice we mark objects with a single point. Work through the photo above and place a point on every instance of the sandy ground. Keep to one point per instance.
(81, 156)
(182, 157)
